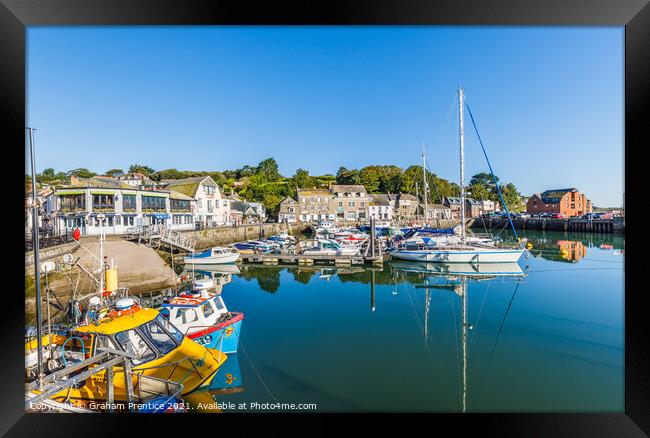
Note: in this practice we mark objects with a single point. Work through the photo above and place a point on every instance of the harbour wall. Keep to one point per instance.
(616, 225)
(225, 235)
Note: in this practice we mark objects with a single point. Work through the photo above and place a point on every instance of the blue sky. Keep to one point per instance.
(548, 100)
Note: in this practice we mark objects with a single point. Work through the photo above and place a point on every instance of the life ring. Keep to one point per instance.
(114, 313)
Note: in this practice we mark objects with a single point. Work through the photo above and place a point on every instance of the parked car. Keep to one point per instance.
(557, 216)
(592, 216)
(524, 215)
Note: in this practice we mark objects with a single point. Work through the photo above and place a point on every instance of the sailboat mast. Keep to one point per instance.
(462, 162)
(424, 182)
(37, 261)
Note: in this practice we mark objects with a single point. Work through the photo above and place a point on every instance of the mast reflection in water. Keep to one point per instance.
(544, 335)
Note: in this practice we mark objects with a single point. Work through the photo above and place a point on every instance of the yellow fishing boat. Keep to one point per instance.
(154, 347)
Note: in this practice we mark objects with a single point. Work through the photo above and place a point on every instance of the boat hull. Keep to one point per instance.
(221, 259)
(223, 337)
(470, 256)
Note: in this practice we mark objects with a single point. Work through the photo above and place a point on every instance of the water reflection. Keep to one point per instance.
(410, 336)
(454, 278)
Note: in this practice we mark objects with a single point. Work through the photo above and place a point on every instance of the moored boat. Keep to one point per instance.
(213, 256)
(203, 317)
(154, 347)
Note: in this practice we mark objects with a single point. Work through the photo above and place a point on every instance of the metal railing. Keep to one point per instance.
(47, 239)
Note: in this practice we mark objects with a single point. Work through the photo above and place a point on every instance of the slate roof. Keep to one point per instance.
(314, 192)
(348, 188)
(189, 186)
(554, 196)
(173, 194)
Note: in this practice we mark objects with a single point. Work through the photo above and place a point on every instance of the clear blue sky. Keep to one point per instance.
(548, 100)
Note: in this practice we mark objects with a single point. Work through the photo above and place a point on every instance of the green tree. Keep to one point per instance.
(390, 179)
(81, 173)
(345, 176)
(114, 172)
(301, 179)
(512, 198)
(483, 187)
(369, 177)
(137, 168)
(269, 170)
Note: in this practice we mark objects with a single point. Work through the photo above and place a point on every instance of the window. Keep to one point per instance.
(103, 202)
(72, 202)
(363, 204)
(128, 202)
(351, 215)
(158, 337)
(340, 204)
(219, 303)
(103, 341)
(132, 342)
(351, 204)
(209, 205)
(153, 203)
(179, 204)
(291, 210)
(209, 190)
(185, 315)
(171, 329)
(207, 309)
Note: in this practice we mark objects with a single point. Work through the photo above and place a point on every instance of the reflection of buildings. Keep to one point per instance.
(571, 250)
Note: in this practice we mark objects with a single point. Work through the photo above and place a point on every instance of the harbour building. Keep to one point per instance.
(567, 202)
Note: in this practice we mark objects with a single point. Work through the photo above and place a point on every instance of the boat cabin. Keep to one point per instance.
(192, 312)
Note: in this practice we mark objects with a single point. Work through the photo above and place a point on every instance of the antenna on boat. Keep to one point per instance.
(37, 261)
(462, 161)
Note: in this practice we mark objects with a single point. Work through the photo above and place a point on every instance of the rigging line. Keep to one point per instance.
(255, 371)
(480, 312)
(471, 116)
(499, 332)
(442, 135)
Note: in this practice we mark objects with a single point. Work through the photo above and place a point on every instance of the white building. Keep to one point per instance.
(110, 210)
(488, 206)
(136, 179)
(211, 208)
(380, 209)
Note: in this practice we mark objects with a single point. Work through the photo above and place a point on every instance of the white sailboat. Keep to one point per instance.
(445, 248)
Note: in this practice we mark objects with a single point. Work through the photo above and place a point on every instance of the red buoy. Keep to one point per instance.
(76, 234)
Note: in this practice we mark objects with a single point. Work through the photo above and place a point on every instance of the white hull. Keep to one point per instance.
(489, 255)
(219, 259)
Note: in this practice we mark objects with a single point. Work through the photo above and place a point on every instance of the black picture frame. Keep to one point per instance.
(15, 15)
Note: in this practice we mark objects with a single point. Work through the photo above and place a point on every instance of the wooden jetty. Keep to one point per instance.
(606, 226)
(301, 259)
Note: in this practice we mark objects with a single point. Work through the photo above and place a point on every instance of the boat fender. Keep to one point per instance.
(115, 313)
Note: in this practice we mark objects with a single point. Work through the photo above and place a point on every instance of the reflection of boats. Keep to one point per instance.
(465, 269)
(213, 256)
(228, 379)
(215, 270)
(204, 318)
(457, 284)
(445, 247)
(155, 348)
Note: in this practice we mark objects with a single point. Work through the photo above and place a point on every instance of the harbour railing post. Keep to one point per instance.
(110, 389)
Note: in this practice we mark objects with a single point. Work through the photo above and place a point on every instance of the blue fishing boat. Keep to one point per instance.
(203, 317)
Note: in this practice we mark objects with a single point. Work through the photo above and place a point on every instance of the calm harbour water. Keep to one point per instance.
(392, 339)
